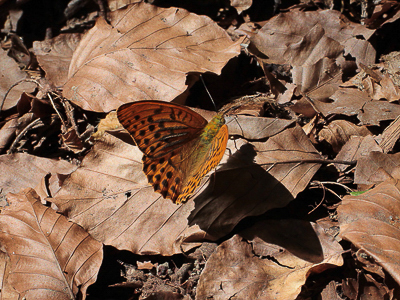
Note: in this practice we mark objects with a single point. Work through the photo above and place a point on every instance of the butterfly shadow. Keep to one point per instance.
(240, 189)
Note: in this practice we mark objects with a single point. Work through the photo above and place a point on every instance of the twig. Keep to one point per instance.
(34, 123)
(55, 108)
(322, 200)
(317, 161)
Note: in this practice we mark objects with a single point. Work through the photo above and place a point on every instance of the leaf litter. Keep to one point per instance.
(315, 118)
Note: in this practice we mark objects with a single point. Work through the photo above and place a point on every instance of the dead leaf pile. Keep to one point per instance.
(304, 204)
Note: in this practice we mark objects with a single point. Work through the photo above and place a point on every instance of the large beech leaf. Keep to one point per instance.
(145, 53)
(51, 258)
(110, 197)
(271, 260)
(371, 222)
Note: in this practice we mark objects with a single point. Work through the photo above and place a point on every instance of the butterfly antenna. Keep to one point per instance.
(208, 92)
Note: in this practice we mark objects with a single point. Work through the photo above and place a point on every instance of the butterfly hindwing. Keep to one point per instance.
(213, 157)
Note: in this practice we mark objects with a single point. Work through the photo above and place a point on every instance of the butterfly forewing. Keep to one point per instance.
(160, 128)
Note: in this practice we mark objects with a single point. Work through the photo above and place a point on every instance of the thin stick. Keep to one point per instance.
(38, 121)
(58, 113)
(317, 161)
(322, 200)
(212, 100)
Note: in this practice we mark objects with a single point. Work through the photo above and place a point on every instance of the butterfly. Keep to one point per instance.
(179, 146)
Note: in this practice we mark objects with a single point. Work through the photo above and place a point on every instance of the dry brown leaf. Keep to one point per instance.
(273, 264)
(289, 145)
(377, 167)
(373, 112)
(390, 136)
(256, 128)
(109, 196)
(145, 53)
(241, 5)
(371, 222)
(6, 290)
(71, 141)
(303, 38)
(54, 56)
(377, 81)
(359, 48)
(351, 101)
(109, 123)
(242, 188)
(118, 4)
(288, 38)
(7, 134)
(338, 132)
(330, 292)
(356, 148)
(384, 12)
(10, 74)
(22, 170)
(390, 91)
(51, 258)
(391, 64)
(319, 81)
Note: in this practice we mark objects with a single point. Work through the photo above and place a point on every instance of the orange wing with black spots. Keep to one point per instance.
(211, 160)
(170, 136)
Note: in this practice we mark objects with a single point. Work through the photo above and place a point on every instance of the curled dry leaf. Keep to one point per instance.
(338, 132)
(145, 53)
(273, 264)
(109, 196)
(242, 188)
(377, 167)
(54, 56)
(51, 258)
(10, 74)
(371, 222)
